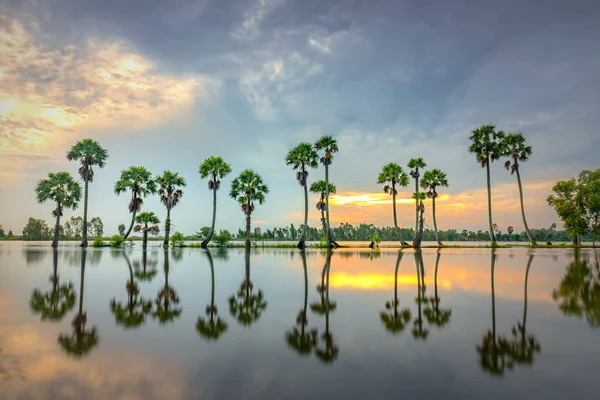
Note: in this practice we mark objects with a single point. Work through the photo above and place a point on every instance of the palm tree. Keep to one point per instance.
(56, 303)
(330, 352)
(81, 341)
(486, 144)
(320, 188)
(516, 149)
(298, 339)
(418, 332)
(435, 315)
(139, 181)
(301, 157)
(133, 314)
(217, 169)
(395, 321)
(89, 153)
(214, 327)
(169, 184)
(430, 182)
(391, 175)
(61, 188)
(414, 164)
(147, 223)
(244, 305)
(166, 301)
(247, 189)
(329, 146)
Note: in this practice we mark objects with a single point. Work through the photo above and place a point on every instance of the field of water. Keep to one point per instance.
(285, 324)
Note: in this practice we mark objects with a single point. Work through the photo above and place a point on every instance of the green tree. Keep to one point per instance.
(328, 145)
(393, 175)
(139, 181)
(96, 227)
(213, 327)
(395, 321)
(589, 182)
(56, 303)
(569, 205)
(61, 188)
(320, 188)
(298, 339)
(516, 149)
(487, 145)
(147, 223)
(244, 305)
(248, 188)
(430, 182)
(89, 153)
(415, 164)
(300, 158)
(122, 228)
(169, 190)
(133, 314)
(36, 229)
(166, 301)
(216, 168)
(2, 233)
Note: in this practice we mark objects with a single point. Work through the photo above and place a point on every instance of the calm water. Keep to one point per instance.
(124, 325)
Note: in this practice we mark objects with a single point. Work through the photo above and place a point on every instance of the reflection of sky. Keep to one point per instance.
(172, 361)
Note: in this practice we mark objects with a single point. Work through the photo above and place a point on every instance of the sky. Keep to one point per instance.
(167, 84)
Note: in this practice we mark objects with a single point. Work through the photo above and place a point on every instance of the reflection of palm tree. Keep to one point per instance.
(330, 352)
(133, 314)
(298, 339)
(141, 272)
(523, 347)
(81, 341)
(418, 332)
(435, 315)
(244, 305)
(55, 304)
(215, 326)
(395, 321)
(493, 352)
(166, 301)
(579, 291)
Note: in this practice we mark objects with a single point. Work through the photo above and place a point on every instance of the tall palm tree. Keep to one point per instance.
(320, 188)
(301, 157)
(139, 181)
(393, 175)
(81, 341)
(298, 339)
(214, 327)
(61, 188)
(329, 146)
(133, 314)
(486, 144)
(414, 164)
(89, 153)
(517, 150)
(430, 182)
(56, 303)
(166, 301)
(147, 223)
(245, 305)
(217, 169)
(395, 321)
(436, 315)
(169, 190)
(247, 189)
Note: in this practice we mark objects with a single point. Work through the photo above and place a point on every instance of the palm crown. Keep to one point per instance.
(329, 145)
(61, 188)
(515, 147)
(319, 187)
(168, 188)
(486, 143)
(147, 221)
(248, 188)
(414, 164)
(391, 175)
(215, 167)
(432, 179)
(139, 181)
(89, 153)
(300, 157)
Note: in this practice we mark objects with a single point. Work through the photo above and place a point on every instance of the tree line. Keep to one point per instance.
(576, 201)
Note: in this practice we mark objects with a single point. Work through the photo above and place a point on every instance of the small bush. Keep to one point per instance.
(323, 243)
(222, 239)
(177, 239)
(98, 242)
(116, 241)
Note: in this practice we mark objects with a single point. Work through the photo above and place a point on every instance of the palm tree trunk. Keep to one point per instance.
(417, 202)
(400, 238)
(533, 243)
(489, 193)
(167, 227)
(302, 244)
(207, 240)
(329, 240)
(248, 214)
(145, 242)
(57, 226)
(134, 199)
(84, 234)
(323, 220)
(437, 237)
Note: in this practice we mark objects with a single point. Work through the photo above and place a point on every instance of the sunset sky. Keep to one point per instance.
(167, 84)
